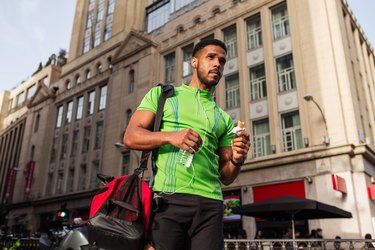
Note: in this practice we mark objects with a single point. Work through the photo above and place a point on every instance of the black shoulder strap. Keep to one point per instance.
(167, 91)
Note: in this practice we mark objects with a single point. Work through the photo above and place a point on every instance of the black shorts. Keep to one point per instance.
(187, 222)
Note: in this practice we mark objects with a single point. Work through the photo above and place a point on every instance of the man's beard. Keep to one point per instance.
(205, 81)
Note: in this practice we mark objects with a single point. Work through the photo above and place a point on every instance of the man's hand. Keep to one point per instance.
(240, 146)
(186, 139)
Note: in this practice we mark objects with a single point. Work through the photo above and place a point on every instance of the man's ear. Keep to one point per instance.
(194, 62)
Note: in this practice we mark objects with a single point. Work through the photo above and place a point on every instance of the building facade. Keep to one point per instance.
(300, 73)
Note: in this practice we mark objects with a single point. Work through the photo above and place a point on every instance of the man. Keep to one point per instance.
(190, 216)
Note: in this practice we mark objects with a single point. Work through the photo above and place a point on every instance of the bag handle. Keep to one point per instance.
(167, 91)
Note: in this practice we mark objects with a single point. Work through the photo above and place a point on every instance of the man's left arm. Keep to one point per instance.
(232, 158)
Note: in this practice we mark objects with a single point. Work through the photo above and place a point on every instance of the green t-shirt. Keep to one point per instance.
(190, 108)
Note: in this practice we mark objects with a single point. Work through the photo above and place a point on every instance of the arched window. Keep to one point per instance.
(68, 85)
(78, 80)
(88, 74)
(131, 81)
(32, 152)
(109, 60)
(99, 68)
(128, 116)
(36, 125)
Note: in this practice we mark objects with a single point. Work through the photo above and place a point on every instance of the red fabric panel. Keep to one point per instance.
(295, 188)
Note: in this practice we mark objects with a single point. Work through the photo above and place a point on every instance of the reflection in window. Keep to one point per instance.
(125, 163)
(82, 177)
(86, 139)
(103, 97)
(254, 33)
(131, 81)
(59, 116)
(98, 135)
(69, 112)
(30, 92)
(285, 73)
(170, 68)
(261, 138)
(291, 131)
(78, 80)
(187, 69)
(230, 39)
(79, 108)
(280, 22)
(91, 103)
(232, 92)
(258, 86)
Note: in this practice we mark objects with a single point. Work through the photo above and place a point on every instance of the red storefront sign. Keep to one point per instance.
(371, 191)
(29, 177)
(10, 183)
(293, 188)
(339, 183)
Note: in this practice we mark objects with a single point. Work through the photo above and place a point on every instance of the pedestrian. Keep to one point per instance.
(369, 244)
(191, 209)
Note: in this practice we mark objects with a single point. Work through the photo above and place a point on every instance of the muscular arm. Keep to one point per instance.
(139, 134)
(238, 151)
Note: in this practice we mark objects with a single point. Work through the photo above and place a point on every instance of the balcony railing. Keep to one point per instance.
(300, 244)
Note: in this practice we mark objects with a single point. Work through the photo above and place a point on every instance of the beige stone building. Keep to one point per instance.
(299, 72)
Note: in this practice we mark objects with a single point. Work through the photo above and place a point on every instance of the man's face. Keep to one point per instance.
(209, 63)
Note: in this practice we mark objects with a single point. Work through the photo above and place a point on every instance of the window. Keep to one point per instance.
(59, 116)
(131, 81)
(30, 92)
(254, 33)
(36, 125)
(32, 152)
(187, 69)
(49, 184)
(87, 40)
(88, 74)
(285, 73)
(64, 146)
(91, 102)
(86, 139)
(20, 99)
(258, 88)
(79, 108)
(82, 177)
(69, 112)
(99, 68)
(230, 39)
(170, 68)
(291, 131)
(68, 85)
(111, 7)
(78, 80)
(232, 92)
(109, 20)
(98, 135)
(125, 163)
(94, 183)
(75, 139)
(261, 137)
(158, 15)
(128, 116)
(178, 4)
(103, 97)
(280, 22)
(59, 183)
(97, 35)
(55, 142)
(70, 180)
(100, 13)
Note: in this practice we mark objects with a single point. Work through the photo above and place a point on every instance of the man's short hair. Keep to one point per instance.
(199, 46)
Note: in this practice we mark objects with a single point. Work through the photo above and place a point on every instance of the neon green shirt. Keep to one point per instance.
(190, 108)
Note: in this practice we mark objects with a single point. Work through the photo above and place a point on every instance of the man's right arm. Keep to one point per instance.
(139, 134)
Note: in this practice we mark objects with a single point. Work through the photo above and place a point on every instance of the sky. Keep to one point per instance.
(35, 29)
